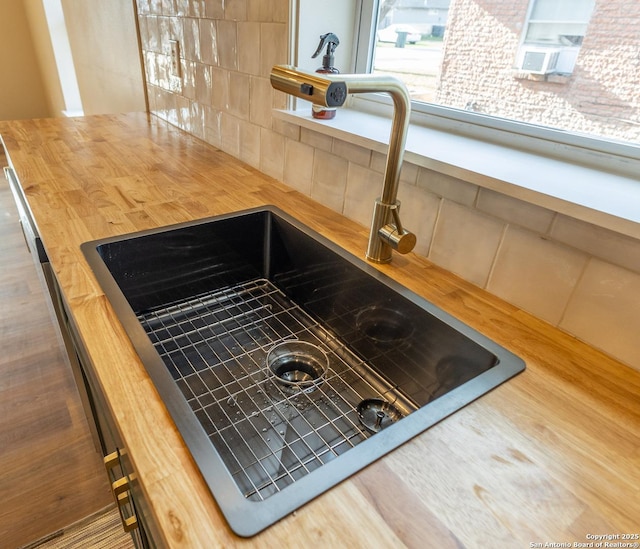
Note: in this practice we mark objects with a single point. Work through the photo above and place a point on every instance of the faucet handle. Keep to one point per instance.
(390, 235)
(401, 240)
(393, 233)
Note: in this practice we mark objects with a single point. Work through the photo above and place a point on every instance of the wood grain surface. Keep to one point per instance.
(551, 456)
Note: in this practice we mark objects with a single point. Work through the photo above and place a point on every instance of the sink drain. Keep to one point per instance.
(384, 326)
(297, 365)
(376, 414)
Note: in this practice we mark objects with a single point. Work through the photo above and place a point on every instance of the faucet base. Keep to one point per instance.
(380, 261)
(379, 251)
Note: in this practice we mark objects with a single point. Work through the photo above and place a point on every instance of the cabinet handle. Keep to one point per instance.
(120, 489)
(111, 461)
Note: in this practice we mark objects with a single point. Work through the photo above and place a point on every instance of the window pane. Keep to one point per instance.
(562, 10)
(555, 33)
(578, 74)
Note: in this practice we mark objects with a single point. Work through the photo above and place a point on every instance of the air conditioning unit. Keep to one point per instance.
(538, 60)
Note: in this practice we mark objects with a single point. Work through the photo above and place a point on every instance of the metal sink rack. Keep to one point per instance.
(214, 346)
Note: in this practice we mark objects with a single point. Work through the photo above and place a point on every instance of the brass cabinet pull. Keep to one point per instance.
(120, 489)
(112, 460)
(128, 523)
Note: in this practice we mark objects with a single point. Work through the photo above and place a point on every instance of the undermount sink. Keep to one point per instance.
(286, 363)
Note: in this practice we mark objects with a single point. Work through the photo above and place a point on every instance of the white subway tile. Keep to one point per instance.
(209, 42)
(155, 7)
(143, 6)
(169, 7)
(351, 152)
(363, 187)
(465, 242)
(250, 143)
(219, 88)
(409, 173)
(604, 311)
(603, 243)
(213, 126)
(196, 119)
(268, 10)
(515, 211)
(298, 166)
(204, 84)
(213, 9)
(329, 180)
(190, 46)
(290, 131)
(188, 78)
(272, 153)
(418, 213)
(273, 46)
(195, 8)
(249, 48)
(239, 95)
(261, 96)
(316, 140)
(230, 133)
(227, 44)
(378, 161)
(447, 187)
(536, 274)
(235, 10)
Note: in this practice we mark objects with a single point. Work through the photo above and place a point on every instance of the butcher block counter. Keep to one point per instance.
(550, 457)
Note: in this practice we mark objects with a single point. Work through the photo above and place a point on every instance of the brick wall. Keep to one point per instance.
(600, 97)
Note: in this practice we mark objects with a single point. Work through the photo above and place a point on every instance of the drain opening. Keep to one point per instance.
(384, 326)
(297, 365)
(376, 414)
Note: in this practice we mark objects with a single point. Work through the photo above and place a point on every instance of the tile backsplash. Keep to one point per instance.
(579, 277)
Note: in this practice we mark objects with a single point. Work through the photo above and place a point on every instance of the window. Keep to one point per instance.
(553, 36)
(565, 70)
(556, 23)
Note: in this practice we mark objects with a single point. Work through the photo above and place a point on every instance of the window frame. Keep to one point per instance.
(612, 155)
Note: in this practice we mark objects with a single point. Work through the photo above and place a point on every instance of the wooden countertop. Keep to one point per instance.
(551, 456)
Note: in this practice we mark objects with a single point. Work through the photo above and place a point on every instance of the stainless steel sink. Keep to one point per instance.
(286, 363)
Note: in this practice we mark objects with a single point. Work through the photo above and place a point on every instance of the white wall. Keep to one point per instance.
(104, 44)
(22, 93)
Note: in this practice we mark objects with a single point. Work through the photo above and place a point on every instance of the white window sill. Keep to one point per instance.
(586, 193)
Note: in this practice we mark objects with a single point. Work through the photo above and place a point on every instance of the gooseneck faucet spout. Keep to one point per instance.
(327, 90)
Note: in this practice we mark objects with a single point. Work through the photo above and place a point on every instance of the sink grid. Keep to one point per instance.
(214, 346)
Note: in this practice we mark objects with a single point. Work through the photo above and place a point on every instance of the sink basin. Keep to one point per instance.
(286, 363)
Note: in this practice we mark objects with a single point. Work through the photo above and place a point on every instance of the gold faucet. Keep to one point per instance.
(328, 90)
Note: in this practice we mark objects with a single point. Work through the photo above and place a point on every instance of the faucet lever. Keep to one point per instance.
(395, 213)
(394, 235)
